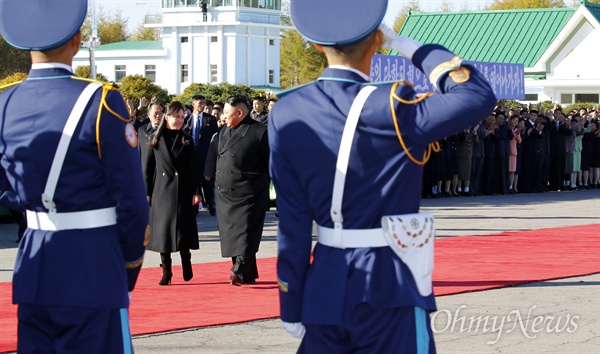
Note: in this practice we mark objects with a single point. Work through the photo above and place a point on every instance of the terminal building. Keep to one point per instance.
(233, 41)
(559, 47)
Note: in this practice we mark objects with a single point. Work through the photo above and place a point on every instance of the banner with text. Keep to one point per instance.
(507, 80)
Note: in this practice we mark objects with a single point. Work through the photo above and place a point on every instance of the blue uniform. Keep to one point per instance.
(90, 268)
(305, 129)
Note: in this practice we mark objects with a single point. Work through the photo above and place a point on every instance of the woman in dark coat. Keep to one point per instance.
(172, 181)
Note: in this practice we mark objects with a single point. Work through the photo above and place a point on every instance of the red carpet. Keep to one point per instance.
(463, 264)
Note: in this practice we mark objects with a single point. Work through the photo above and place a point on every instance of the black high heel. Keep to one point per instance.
(186, 265)
(167, 271)
(167, 274)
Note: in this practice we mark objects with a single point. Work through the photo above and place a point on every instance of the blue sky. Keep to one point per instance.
(135, 10)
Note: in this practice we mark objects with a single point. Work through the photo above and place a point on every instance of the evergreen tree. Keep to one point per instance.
(135, 87)
(111, 28)
(16, 77)
(300, 61)
(446, 6)
(84, 71)
(216, 93)
(525, 4)
(403, 14)
(147, 33)
(13, 60)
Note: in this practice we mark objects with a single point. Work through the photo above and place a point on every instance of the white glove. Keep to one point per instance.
(129, 294)
(404, 45)
(295, 329)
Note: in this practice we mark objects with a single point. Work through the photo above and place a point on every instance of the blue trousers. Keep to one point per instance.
(368, 330)
(63, 329)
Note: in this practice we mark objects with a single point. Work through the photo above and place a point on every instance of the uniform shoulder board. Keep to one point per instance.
(283, 93)
(106, 86)
(4, 87)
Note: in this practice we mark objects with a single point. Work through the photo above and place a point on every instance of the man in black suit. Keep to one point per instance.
(202, 126)
(503, 137)
(532, 161)
(155, 114)
(558, 150)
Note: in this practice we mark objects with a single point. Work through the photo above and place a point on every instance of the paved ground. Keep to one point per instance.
(568, 310)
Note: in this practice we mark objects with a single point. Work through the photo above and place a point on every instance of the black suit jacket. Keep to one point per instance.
(205, 132)
(143, 132)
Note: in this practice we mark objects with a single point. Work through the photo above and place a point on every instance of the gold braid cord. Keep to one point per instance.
(4, 87)
(105, 88)
(435, 146)
(103, 104)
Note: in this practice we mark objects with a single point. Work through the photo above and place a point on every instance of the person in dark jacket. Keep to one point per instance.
(171, 178)
(239, 158)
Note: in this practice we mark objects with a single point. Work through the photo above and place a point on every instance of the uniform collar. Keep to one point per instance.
(49, 70)
(51, 66)
(339, 71)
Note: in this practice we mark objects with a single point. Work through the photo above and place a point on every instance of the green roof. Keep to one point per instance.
(130, 45)
(513, 36)
(594, 9)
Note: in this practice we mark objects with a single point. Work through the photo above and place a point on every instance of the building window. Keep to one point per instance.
(120, 72)
(213, 73)
(184, 73)
(271, 42)
(151, 72)
(566, 98)
(271, 76)
(531, 97)
(586, 97)
(184, 39)
(214, 39)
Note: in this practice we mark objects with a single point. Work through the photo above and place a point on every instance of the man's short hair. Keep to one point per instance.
(236, 100)
(258, 98)
(157, 104)
(198, 98)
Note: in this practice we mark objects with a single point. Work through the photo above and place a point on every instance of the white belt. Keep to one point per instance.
(352, 238)
(88, 219)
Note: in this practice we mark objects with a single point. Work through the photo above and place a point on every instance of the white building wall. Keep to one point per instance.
(580, 57)
(106, 62)
(241, 51)
(258, 57)
(273, 52)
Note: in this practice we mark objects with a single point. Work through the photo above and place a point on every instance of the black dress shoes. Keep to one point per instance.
(237, 279)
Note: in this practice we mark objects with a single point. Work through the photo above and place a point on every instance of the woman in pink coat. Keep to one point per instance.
(512, 160)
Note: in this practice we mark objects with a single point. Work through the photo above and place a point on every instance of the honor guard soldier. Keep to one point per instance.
(355, 168)
(68, 157)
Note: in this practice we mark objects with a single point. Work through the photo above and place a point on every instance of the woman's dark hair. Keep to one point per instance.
(172, 108)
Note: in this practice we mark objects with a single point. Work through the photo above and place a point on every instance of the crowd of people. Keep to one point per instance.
(525, 150)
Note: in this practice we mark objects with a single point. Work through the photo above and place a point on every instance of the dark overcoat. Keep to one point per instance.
(242, 186)
(172, 180)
